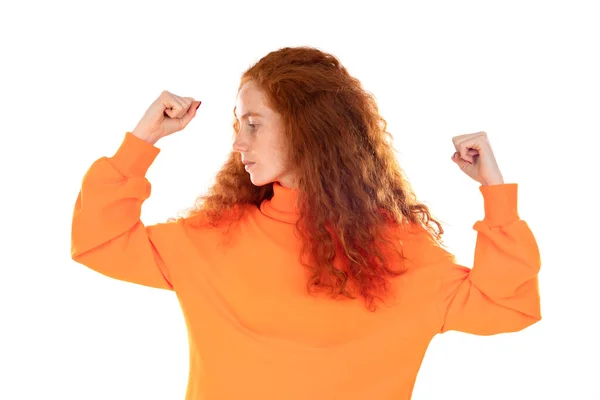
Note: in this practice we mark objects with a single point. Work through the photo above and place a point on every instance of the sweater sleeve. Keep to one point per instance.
(500, 293)
(107, 234)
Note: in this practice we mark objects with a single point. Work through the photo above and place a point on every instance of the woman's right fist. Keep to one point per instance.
(168, 114)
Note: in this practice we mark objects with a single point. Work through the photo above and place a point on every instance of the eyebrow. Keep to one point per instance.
(251, 114)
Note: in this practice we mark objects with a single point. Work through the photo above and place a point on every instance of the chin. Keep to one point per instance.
(258, 181)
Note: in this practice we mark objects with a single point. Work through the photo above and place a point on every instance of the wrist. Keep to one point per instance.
(493, 181)
(145, 137)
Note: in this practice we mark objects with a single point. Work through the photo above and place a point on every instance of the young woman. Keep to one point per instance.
(309, 270)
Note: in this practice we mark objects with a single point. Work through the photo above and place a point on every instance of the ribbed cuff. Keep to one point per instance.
(134, 156)
(500, 203)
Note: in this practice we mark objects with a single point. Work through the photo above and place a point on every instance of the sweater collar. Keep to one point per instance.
(283, 205)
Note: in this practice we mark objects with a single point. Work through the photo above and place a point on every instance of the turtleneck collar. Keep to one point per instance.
(283, 205)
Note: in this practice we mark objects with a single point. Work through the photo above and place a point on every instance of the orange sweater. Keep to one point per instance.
(254, 332)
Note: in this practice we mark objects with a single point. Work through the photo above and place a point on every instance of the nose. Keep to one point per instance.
(240, 144)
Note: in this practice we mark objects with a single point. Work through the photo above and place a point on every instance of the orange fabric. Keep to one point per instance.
(254, 332)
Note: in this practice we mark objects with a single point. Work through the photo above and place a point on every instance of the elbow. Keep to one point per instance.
(525, 321)
(516, 324)
(522, 318)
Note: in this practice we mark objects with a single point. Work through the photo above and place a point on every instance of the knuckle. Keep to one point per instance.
(165, 95)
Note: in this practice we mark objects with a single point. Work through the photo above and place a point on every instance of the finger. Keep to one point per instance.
(470, 148)
(174, 107)
(166, 101)
(190, 114)
(456, 157)
(188, 101)
(463, 148)
(475, 140)
(461, 138)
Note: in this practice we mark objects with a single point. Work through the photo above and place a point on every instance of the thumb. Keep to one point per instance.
(177, 124)
(459, 161)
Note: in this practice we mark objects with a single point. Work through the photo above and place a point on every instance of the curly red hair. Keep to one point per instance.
(351, 185)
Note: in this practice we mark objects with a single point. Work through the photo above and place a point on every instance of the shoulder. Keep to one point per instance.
(200, 219)
(419, 246)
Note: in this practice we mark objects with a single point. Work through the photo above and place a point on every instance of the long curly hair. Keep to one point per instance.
(351, 187)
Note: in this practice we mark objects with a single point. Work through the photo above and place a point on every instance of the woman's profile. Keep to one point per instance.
(309, 270)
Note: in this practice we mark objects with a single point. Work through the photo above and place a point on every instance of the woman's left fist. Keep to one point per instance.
(475, 158)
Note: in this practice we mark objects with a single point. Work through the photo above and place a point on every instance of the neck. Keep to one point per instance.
(287, 181)
(283, 205)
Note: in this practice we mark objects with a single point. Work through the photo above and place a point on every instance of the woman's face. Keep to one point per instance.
(261, 138)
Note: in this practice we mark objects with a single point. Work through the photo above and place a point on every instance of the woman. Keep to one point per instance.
(310, 270)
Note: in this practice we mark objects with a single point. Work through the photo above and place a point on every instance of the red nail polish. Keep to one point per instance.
(198, 105)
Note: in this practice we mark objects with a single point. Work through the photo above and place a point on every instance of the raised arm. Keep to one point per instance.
(107, 234)
(500, 293)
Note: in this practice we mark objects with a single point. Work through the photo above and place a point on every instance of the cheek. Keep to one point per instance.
(271, 150)
(279, 152)
(278, 160)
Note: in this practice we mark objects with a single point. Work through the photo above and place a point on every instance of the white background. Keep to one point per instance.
(77, 75)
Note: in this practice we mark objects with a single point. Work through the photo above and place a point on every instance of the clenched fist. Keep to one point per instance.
(475, 158)
(168, 114)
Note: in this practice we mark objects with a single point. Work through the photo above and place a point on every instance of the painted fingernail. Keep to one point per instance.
(198, 105)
